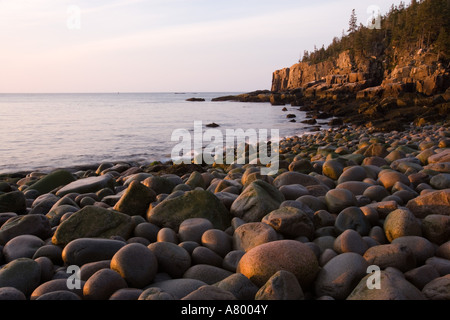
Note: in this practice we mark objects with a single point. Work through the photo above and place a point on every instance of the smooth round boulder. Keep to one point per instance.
(11, 294)
(102, 284)
(376, 193)
(436, 228)
(352, 218)
(332, 169)
(339, 199)
(126, 294)
(401, 223)
(263, 261)
(84, 250)
(350, 241)
(23, 246)
(24, 274)
(397, 256)
(147, 230)
(31, 224)
(172, 259)
(61, 295)
(293, 191)
(389, 177)
(239, 285)
(192, 229)
(340, 275)
(56, 285)
(355, 173)
(421, 248)
(136, 263)
(218, 241)
(207, 273)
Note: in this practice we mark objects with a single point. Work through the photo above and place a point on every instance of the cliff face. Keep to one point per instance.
(364, 77)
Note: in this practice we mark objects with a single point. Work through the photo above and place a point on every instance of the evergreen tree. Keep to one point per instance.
(353, 23)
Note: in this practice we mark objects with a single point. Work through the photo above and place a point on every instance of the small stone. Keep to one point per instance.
(332, 169)
(442, 266)
(283, 285)
(167, 235)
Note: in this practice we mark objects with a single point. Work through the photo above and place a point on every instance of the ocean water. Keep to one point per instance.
(47, 131)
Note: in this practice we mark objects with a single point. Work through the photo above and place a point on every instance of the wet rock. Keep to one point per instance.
(339, 199)
(52, 181)
(352, 218)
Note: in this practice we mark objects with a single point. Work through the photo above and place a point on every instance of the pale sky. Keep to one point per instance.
(162, 45)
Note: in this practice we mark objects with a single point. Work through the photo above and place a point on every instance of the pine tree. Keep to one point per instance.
(353, 23)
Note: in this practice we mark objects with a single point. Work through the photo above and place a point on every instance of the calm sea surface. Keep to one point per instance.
(48, 131)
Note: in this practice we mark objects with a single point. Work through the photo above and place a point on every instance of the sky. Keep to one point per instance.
(162, 45)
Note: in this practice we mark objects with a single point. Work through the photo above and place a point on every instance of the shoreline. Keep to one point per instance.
(345, 197)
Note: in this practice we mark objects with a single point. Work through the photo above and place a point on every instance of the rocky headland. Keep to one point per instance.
(364, 90)
(344, 200)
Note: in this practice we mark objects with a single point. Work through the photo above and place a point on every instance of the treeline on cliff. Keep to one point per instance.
(405, 28)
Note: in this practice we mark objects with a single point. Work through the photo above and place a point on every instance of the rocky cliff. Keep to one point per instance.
(379, 91)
